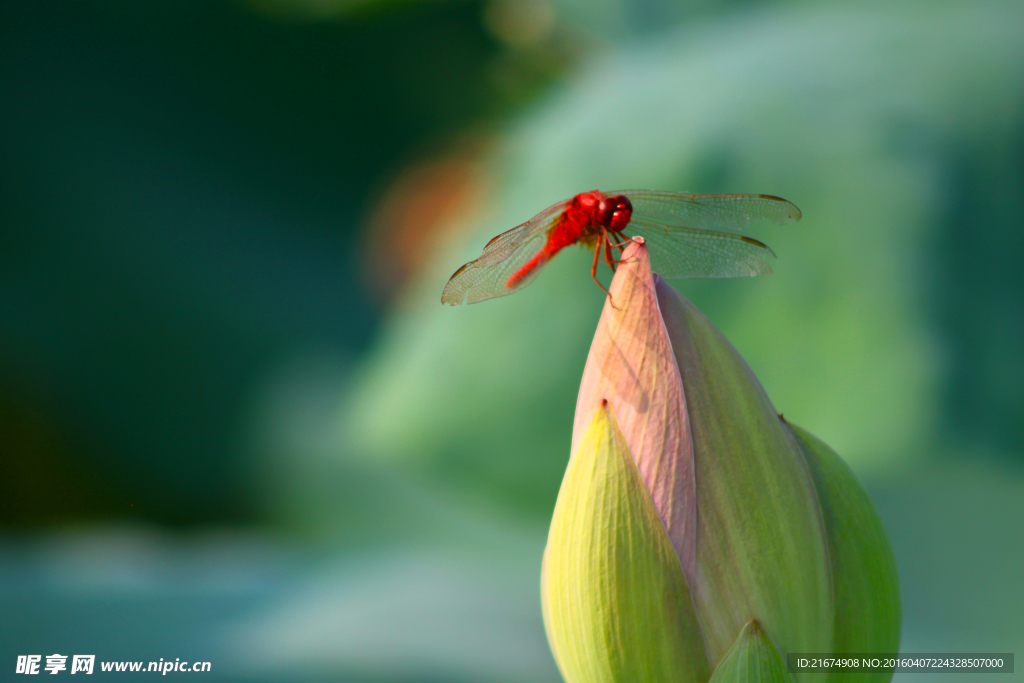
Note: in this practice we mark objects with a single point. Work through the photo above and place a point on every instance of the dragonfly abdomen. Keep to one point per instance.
(538, 260)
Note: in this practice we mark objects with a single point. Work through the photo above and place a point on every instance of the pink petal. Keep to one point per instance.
(633, 366)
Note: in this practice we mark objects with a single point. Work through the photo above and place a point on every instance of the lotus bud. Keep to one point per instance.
(695, 529)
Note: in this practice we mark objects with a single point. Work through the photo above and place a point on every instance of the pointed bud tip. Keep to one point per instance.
(636, 246)
(753, 627)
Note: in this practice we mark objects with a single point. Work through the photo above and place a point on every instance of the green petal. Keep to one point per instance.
(616, 604)
(761, 551)
(752, 659)
(865, 584)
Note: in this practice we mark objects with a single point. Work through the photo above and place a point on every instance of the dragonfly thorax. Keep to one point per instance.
(587, 217)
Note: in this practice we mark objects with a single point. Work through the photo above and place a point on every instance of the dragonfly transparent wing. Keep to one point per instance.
(687, 252)
(488, 276)
(702, 211)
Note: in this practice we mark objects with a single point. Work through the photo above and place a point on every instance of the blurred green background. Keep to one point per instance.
(237, 425)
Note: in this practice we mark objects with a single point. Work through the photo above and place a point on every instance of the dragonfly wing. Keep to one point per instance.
(702, 211)
(489, 275)
(688, 252)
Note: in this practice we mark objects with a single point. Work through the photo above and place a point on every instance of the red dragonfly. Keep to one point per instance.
(674, 225)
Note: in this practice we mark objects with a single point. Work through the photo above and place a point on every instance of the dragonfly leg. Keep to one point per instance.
(608, 252)
(621, 246)
(593, 269)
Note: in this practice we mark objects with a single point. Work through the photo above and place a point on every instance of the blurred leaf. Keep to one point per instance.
(401, 616)
(320, 10)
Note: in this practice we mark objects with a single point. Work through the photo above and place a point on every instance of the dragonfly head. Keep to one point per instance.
(613, 212)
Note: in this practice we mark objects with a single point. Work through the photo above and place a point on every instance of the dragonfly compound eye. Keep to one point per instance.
(621, 214)
(605, 210)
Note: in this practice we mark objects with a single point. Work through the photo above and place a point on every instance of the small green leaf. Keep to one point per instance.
(752, 659)
(616, 605)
